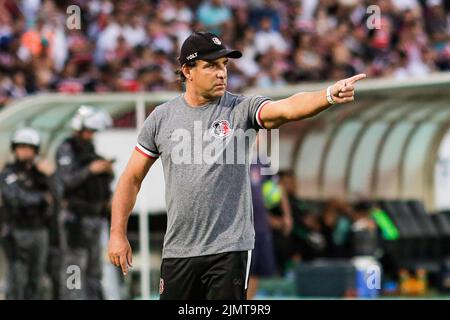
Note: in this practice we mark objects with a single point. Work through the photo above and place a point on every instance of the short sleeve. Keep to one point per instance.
(254, 106)
(146, 142)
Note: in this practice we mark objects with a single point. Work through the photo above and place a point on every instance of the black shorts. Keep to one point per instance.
(212, 277)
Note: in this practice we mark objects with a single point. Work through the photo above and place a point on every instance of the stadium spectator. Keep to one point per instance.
(266, 10)
(307, 238)
(36, 40)
(271, 78)
(214, 15)
(336, 223)
(307, 60)
(281, 222)
(150, 78)
(365, 238)
(266, 37)
(307, 241)
(18, 89)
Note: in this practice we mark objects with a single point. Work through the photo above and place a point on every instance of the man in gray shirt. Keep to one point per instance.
(204, 138)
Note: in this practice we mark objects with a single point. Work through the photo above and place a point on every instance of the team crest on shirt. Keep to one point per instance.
(221, 129)
(161, 286)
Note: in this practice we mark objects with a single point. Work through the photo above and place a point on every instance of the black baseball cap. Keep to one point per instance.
(205, 46)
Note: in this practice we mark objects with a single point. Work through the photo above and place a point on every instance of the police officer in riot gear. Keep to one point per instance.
(27, 202)
(85, 179)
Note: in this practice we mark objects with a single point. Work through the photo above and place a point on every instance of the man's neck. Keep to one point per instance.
(195, 99)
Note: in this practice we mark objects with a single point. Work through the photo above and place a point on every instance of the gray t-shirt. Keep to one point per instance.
(205, 153)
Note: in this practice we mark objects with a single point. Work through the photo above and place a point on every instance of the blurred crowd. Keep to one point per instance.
(133, 45)
(305, 230)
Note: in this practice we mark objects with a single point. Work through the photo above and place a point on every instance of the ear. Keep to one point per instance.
(186, 71)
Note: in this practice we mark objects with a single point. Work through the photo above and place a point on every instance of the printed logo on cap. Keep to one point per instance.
(192, 56)
(216, 41)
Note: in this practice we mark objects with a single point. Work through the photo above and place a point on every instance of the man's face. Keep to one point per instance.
(25, 153)
(87, 135)
(209, 78)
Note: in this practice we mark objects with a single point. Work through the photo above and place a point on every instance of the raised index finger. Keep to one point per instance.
(353, 79)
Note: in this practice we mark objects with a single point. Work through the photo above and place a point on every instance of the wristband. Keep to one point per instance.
(329, 97)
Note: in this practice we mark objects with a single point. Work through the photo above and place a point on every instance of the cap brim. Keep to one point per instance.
(234, 54)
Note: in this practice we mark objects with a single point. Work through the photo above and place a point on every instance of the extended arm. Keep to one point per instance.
(307, 104)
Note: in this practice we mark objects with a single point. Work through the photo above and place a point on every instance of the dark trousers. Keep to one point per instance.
(81, 268)
(26, 251)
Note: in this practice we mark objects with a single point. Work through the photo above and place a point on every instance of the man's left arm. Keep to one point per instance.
(307, 104)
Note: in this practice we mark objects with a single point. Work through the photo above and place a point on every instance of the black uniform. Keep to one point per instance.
(27, 214)
(85, 201)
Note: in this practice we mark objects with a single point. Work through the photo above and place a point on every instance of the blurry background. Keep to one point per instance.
(368, 182)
